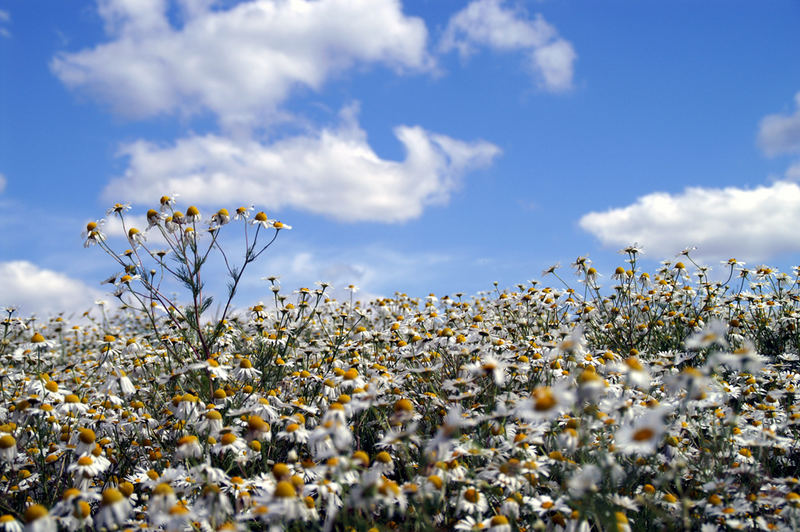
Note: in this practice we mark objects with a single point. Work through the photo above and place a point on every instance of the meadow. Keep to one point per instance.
(630, 400)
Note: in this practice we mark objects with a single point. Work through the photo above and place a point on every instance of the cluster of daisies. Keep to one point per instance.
(661, 401)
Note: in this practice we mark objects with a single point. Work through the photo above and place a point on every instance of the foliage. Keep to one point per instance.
(665, 402)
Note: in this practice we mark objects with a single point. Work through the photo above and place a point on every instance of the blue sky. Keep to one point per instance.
(418, 146)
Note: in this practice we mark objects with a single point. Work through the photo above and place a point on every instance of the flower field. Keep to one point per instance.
(657, 401)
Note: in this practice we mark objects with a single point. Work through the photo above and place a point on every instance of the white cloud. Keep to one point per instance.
(751, 224)
(780, 133)
(489, 23)
(241, 62)
(3, 182)
(793, 172)
(32, 289)
(554, 62)
(5, 17)
(333, 172)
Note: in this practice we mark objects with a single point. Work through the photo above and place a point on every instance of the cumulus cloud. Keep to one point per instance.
(489, 23)
(780, 133)
(240, 63)
(332, 172)
(752, 224)
(32, 289)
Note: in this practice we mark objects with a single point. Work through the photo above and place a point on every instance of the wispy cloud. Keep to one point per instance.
(489, 23)
(780, 133)
(3, 183)
(793, 172)
(754, 224)
(33, 289)
(333, 172)
(240, 63)
(5, 18)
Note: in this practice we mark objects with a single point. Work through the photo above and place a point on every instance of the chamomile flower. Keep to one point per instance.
(244, 371)
(192, 215)
(38, 519)
(153, 218)
(714, 332)
(221, 217)
(642, 434)
(584, 480)
(85, 468)
(262, 220)
(210, 423)
(471, 501)
(229, 442)
(73, 404)
(490, 366)
(167, 202)
(93, 234)
(243, 213)
(258, 429)
(118, 209)
(294, 432)
(497, 523)
(8, 523)
(8, 448)
(188, 447)
(547, 402)
(136, 237)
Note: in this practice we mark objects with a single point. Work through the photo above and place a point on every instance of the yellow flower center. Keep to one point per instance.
(544, 399)
(163, 489)
(256, 423)
(361, 456)
(111, 496)
(187, 440)
(34, 512)
(280, 470)
(285, 489)
(126, 488)
(643, 434)
(178, 509)
(403, 405)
